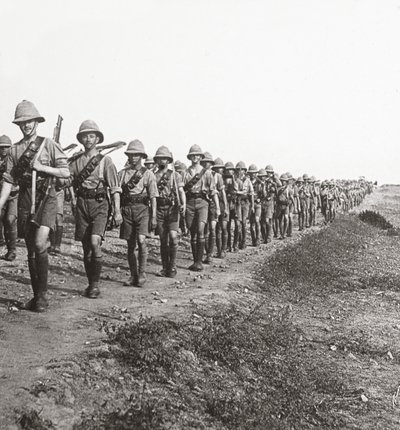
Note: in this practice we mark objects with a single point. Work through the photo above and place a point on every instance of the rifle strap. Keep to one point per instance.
(23, 165)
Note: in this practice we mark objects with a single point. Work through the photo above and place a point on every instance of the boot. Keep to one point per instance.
(58, 238)
(289, 228)
(257, 234)
(11, 245)
(235, 240)
(210, 250)
(253, 234)
(218, 241)
(42, 266)
(198, 265)
(224, 243)
(133, 280)
(93, 291)
(142, 264)
(164, 251)
(52, 236)
(31, 304)
(193, 244)
(173, 248)
(242, 241)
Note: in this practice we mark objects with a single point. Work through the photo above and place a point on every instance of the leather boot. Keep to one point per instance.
(210, 248)
(93, 291)
(173, 248)
(193, 244)
(11, 245)
(142, 264)
(30, 305)
(164, 251)
(58, 238)
(42, 266)
(133, 280)
(198, 265)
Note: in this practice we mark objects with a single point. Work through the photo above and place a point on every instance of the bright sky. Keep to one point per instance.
(309, 86)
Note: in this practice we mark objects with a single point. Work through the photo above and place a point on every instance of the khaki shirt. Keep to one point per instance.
(147, 185)
(105, 174)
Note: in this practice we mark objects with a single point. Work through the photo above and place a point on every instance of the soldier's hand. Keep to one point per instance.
(37, 165)
(117, 218)
(182, 209)
(226, 213)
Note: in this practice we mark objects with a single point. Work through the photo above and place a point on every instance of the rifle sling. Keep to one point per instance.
(88, 170)
(193, 181)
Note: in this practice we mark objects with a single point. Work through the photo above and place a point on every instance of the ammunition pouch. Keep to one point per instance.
(98, 194)
(128, 200)
(165, 201)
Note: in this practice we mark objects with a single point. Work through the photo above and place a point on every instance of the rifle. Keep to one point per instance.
(35, 213)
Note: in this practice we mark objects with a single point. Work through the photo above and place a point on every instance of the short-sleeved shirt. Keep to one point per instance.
(14, 188)
(105, 173)
(206, 184)
(169, 188)
(246, 186)
(52, 155)
(146, 186)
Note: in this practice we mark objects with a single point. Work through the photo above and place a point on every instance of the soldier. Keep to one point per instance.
(269, 202)
(221, 232)
(231, 187)
(139, 189)
(8, 216)
(301, 199)
(313, 201)
(210, 229)
(306, 199)
(33, 163)
(180, 168)
(150, 163)
(292, 201)
(94, 176)
(259, 192)
(245, 204)
(171, 202)
(283, 201)
(199, 186)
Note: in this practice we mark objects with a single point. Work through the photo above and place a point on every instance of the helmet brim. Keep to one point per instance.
(98, 133)
(28, 118)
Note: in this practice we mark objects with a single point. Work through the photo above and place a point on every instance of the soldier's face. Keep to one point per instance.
(88, 140)
(150, 165)
(219, 170)
(162, 161)
(3, 151)
(195, 158)
(206, 164)
(252, 175)
(134, 159)
(28, 128)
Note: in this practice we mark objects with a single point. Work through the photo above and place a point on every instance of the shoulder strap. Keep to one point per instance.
(196, 178)
(134, 180)
(88, 169)
(163, 181)
(23, 165)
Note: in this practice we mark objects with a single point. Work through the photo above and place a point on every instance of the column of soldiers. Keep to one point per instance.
(211, 201)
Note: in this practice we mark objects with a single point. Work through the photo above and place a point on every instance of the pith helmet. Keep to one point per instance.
(149, 160)
(262, 173)
(218, 163)
(312, 179)
(300, 179)
(241, 165)
(305, 177)
(289, 175)
(178, 166)
(195, 150)
(136, 147)
(229, 165)
(5, 141)
(269, 169)
(284, 177)
(208, 158)
(89, 126)
(163, 152)
(26, 111)
(252, 169)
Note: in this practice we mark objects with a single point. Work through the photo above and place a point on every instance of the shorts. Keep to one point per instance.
(257, 210)
(60, 202)
(10, 209)
(91, 218)
(268, 208)
(167, 218)
(212, 212)
(46, 211)
(242, 210)
(135, 221)
(283, 210)
(196, 211)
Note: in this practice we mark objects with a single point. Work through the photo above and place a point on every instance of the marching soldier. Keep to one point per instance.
(171, 202)
(272, 183)
(139, 190)
(93, 177)
(231, 187)
(301, 201)
(283, 201)
(150, 163)
(199, 185)
(259, 191)
(8, 216)
(33, 163)
(221, 232)
(291, 208)
(245, 205)
(57, 232)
